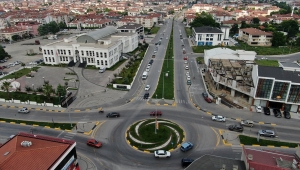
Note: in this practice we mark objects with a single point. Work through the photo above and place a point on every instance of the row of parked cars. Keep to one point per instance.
(277, 112)
(10, 65)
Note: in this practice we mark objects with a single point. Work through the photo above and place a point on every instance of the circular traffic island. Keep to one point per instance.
(149, 135)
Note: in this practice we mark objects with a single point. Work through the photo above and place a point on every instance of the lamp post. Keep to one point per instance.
(164, 83)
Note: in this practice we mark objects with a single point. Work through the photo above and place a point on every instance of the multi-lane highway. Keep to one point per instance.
(199, 129)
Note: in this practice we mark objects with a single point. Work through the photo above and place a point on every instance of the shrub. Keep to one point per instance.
(28, 88)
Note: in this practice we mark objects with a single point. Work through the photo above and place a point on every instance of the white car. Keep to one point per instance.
(188, 78)
(147, 69)
(218, 118)
(186, 67)
(23, 110)
(147, 88)
(187, 74)
(162, 154)
(258, 109)
(185, 61)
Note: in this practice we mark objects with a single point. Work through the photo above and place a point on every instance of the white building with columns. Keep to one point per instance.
(100, 48)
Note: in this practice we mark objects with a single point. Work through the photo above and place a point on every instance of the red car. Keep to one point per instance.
(208, 100)
(185, 58)
(94, 143)
(155, 113)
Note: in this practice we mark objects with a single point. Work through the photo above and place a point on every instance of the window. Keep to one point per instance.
(294, 94)
(101, 54)
(82, 53)
(280, 90)
(48, 52)
(53, 59)
(97, 55)
(49, 59)
(46, 59)
(211, 39)
(51, 52)
(207, 39)
(45, 52)
(207, 35)
(105, 55)
(90, 53)
(115, 50)
(63, 58)
(200, 37)
(87, 53)
(67, 58)
(60, 58)
(93, 53)
(69, 52)
(211, 35)
(98, 62)
(264, 87)
(101, 62)
(89, 60)
(64, 51)
(61, 51)
(92, 60)
(106, 62)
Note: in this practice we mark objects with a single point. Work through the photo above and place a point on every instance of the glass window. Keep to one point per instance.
(53, 59)
(264, 87)
(69, 52)
(280, 90)
(294, 94)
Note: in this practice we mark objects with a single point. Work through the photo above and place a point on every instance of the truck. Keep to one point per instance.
(102, 69)
(145, 75)
(36, 42)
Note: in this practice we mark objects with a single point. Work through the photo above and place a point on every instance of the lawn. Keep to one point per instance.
(200, 60)
(258, 50)
(154, 30)
(63, 126)
(272, 63)
(246, 140)
(188, 31)
(165, 87)
(116, 65)
(17, 74)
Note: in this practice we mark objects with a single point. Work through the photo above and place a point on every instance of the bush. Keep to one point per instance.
(247, 140)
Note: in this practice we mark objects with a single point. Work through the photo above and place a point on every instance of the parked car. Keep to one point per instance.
(277, 113)
(208, 100)
(187, 74)
(186, 67)
(185, 162)
(156, 113)
(113, 114)
(218, 118)
(258, 109)
(267, 111)
(205, 95)
(188, 77)
(186, 146)
(237, 128)
(23, 110)
(94, 143)
(287, 114)
(162, 154)
(188, 82)
(147, 88)
(146, 95)
(150, 62)
(268, 133)
(249, 123)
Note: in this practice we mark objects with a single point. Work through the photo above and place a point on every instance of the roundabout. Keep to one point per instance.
(149, 135)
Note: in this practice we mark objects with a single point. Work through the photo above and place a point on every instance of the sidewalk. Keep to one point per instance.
(32, 107)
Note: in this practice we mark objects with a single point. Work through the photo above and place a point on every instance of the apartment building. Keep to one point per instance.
(255, 37)
(133, 28)
(98, 48)
(211, 36)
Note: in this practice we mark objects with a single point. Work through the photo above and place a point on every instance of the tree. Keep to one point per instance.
(278, 39)
(171, 12)
(255, 21)
(291, 27)
(150, 10)
(107, 10)
(204, 19)
(298, 41)
(128, 4)
(226, 8)
(62, 25)
(17, 8)
(244, 25)
(234, 29)
(61, 90)
(15, 37)
(48, 90)
(5, 86)
(3, 53)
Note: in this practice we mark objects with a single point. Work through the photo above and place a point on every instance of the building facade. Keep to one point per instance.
(211, 36)
(255, 37)
(132, 28)
(98, 48)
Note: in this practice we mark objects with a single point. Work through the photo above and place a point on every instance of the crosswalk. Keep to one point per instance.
(236, 148)
(182, 101)
(139, 98)
(68, 135)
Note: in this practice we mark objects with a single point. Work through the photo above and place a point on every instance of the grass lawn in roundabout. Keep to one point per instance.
(142, 135)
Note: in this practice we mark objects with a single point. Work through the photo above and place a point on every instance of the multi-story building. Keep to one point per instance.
(211, 36)
(133, 28)
(255, 37)
(98, 48)
(203, 8)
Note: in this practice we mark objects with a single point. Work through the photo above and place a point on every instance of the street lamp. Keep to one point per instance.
(164, 83)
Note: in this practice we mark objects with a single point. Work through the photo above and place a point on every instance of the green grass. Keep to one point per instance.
(272, 63)
(114, 67)
(200, 60)
(246, 140)
(17, 74)
(188, 31)
(91, 67)
(64, 126)
(258, 50)
(165, 87)
(154, 30)
(56, 65)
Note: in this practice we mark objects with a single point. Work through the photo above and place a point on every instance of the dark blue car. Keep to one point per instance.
(186, 146)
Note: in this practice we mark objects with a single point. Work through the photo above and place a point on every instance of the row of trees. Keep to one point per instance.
(51, 27)
(3, 53)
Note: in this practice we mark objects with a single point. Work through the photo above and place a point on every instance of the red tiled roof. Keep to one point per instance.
(254, 31)
(43, 152)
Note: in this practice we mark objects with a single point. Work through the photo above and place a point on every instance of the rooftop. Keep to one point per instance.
(130, 26)
(98, 34)
(254, 31)
(207, 29)
(279, 74)
(43, 149)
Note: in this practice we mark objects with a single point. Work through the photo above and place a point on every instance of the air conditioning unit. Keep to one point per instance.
(26, 143)
(250, 157)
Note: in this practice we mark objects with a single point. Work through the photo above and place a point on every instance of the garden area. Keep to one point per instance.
(258, 50)
(188, 31)
(127, 74)
(247, 140)
(154, 30)
(165, 86)
(153, 135)
(271, 63)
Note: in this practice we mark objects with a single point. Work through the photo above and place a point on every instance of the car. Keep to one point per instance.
(150, 62)
(208, 100)
(287, 114)
(188, 82)
(11, 64)
(147, 69)
(258, 109)
(162, 154)
(187, 73)
(266, 111)
(185, 62)
(277, 113)
(249, 123)
(149, 65)
(188, 77)
(147, 88)
(186, 67)
(237, 128)
(267, 133)
(218, 118)
(94, 143)
(23, 110)
(156, 113)
(186, 146)
(146, 95)
(205, 95)
(185, 162)
(113, 114)
(185, 58)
